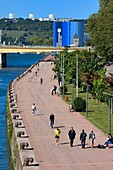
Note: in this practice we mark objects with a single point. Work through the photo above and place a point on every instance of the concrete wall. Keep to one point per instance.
(22, 154)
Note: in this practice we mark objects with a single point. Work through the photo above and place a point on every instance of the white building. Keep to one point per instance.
(51, 17)
(32, 16)
(41, 19)
(11, 16)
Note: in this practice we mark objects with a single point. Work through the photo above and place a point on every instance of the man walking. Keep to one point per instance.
(83, 136)
(51, 118)
(92, 138)
(72, 135)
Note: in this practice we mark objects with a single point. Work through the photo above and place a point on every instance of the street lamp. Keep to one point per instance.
(109, 110)
(76, 76)
(73, 95)
(62, 71)
(87, 88)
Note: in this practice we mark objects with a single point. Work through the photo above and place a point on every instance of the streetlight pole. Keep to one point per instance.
(111, 106)
(72, 97)
(109, 110)
(87, 101)
(87, 88)
(61, 61)
(76, 76)
(63, 75)
(109, 117)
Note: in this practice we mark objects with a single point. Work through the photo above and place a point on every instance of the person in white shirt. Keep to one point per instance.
(33, 109)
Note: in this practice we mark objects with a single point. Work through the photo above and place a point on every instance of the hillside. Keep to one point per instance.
(25, 31)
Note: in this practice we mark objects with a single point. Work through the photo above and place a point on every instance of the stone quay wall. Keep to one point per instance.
(21, 152)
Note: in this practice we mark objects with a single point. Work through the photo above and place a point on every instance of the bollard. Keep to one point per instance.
(27, 161)
(20, 133)
(13, 110)
(13, 105)
(23, 145)
(17, 124)
(15, 116)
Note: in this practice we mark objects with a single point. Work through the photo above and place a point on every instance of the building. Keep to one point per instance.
(32, 16)
(11, 16)
(68, 33)
(51, 17)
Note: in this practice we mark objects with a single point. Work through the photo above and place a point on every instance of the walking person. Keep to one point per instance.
(54, 89)
(71, 135)
(41, 80)
(36, 73)
(33, 107)
(83, 136)
(57, 135)
(51, 118)
(92, 138)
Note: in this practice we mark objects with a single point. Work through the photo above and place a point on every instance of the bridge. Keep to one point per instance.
(32, 49)
(35, 49)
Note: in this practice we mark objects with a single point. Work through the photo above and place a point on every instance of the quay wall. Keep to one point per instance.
(22, 156)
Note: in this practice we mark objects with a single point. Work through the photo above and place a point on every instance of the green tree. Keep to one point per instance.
(104, 3)
(100, 27)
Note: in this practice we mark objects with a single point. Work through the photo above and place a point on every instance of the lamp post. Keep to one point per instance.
(76, 75)
(62, 71)
(63, 75)
(73, 95)
(87, 101)
(87, 88)
(109, 117)
(109, 110)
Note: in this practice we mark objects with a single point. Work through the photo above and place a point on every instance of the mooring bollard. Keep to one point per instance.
(15, 116)
(23, 145)
(17, 124)
(27, 161)
(20, 133)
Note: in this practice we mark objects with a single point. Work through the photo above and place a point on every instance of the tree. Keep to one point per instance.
(104, 3)
(100, 27)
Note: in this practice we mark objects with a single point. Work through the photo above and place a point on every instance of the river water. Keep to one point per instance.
(16, 65)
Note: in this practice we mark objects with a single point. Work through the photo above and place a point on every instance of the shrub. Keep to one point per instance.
(79, 104)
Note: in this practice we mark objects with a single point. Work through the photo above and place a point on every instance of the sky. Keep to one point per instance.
(76, 9)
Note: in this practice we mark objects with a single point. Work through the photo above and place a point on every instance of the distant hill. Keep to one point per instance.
(26, 31)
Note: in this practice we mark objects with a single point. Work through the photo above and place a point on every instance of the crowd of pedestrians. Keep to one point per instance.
(72, 133)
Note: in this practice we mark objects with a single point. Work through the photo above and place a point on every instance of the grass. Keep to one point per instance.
(97, 111)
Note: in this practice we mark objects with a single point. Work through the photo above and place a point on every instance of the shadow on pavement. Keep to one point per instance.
(58, 127)
(34, 165)
(40, 114)
(64, 143)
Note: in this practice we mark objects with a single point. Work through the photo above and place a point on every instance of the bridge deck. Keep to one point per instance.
(35, 49)
(49, 155)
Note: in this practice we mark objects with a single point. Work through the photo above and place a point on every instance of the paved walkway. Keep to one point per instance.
(49, 155)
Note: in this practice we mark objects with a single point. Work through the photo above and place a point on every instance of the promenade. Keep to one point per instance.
(49, 155)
